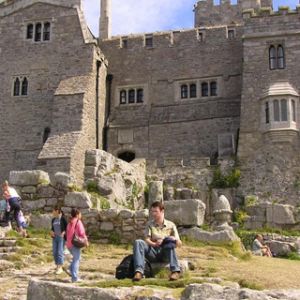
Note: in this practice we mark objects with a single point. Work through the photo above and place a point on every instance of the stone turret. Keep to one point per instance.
(105, 20)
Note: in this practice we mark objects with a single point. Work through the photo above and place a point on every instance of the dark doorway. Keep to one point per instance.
(127, 156)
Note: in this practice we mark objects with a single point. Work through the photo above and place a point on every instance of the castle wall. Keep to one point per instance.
(165, 124)
(61, 77)
(270, 164)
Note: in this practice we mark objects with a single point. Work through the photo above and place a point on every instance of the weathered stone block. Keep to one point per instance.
(280, 214)
(126, 214)
(226, 235)
(78, 199)
(33, 205)
(51, 202)
(24, 178)
(141, 214)
(42, 221)
(107, 226)
(109, 214)
(92, 158)
(63, 179)
(28, 190)
(185, 212)
(90, 172)
(155, 191)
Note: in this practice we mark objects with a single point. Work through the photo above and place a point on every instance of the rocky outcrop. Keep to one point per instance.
(120, 182)
(38, 289)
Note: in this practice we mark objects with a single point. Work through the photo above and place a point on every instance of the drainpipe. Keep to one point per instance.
(109, 79)
(97, 103)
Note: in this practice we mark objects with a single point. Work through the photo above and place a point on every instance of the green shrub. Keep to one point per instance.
(92, 187)
(225, 181)
(240, 216)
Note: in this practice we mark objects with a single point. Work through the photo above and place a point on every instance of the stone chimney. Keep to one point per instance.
(105, 20)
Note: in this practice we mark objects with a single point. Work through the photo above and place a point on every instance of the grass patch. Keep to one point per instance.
(244, 283)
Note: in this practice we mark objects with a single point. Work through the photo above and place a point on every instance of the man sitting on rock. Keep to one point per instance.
(161, 239)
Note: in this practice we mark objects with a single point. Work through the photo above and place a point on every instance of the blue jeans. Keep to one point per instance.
(74, 267)
(141, 250)
(58, 244)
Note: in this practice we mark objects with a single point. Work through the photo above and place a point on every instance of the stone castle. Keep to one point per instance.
(228, 88)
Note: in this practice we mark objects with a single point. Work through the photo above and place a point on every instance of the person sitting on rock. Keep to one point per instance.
(258, 248)
(161, 239)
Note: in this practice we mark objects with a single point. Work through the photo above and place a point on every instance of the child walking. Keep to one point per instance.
(58, 234)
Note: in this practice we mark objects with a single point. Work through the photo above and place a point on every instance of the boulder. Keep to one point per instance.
(78, 200)
(63, 179)
(155, 192)
(23, 178)
(226, 235)
(92, 158)
(38, 289)
(185, 212)
(280, 214)
(279, 248)
(41, 221)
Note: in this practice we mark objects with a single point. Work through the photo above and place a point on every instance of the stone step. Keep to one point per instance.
(8, 249)
(7, 243)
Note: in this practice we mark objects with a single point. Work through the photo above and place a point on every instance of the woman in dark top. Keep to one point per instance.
(58, 234)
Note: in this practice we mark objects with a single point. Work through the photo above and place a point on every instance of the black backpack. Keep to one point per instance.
(126, 269)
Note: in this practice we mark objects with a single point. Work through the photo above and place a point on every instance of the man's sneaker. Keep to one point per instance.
(59, 271)
(174, 276)
(137, 276)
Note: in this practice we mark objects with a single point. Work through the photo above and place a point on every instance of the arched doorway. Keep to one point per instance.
(127, 156)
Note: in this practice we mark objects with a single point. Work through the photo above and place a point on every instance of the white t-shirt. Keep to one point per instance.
(13, 193)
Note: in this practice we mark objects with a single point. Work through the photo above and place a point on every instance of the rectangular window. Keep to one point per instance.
(204, 89)
(38, 32)
(149, 41)
(294, 110)
(140, 96)
(131, 96)
(124, 43)
(267, 111)
(276, 111)
(231, 34)
(284, 115)
(193, 90)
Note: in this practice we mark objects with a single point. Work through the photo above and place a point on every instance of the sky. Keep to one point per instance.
(138, 16)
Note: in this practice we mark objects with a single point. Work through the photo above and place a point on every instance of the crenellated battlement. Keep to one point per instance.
(207, 13)
(10, 6)
(269, 12)
(200, 36)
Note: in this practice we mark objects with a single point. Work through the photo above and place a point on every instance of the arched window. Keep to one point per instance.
(123, 97)
(276, 111)
(284, 110)
(38, 32)
(131, 96)
(24, 89)
(293, 111)
(17, 87)
(213, 89)
(46, 134)
(280, 57)
(127, 156)
(184, 91)
(29, 33)
(193, 90)
(267, 112)
(140, 96)
(204, 89)
(46, 31)
(272, 58)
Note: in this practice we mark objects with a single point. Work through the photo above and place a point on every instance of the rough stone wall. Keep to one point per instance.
(165, 125)
(61, 92)
(270, 168)
(209, 14)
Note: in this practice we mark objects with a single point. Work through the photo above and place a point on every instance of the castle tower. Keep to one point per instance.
(105, 20)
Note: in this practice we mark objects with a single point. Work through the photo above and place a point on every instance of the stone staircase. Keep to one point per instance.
(7, 247)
